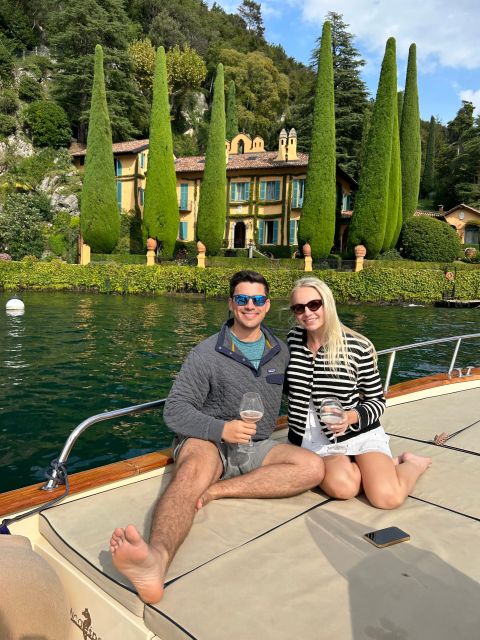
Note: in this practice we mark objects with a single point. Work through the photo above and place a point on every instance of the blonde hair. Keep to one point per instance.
(334, 331)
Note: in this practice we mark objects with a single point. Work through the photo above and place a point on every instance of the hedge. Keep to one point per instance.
(370, 285)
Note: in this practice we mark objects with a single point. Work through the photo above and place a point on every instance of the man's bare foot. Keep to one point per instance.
(143, 566)
(419, 461)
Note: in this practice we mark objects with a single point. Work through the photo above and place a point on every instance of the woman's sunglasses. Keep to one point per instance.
(313, 305)
(242, 300)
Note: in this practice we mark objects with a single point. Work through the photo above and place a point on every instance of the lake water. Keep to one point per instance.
(71, 356)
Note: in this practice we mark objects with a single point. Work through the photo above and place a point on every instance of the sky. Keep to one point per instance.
(445, 34)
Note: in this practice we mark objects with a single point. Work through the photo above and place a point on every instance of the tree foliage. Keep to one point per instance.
(251, 13)
(160, 214)
(370, 213)
(212, 205)
(428, 178)
(100, 219)
(429, 240)
(394, 222)
(231, 113)
(47, 124)
(317, 224)
(22, 226)
(410, 146)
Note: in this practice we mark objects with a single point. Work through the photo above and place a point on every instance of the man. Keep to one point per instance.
(203, 410)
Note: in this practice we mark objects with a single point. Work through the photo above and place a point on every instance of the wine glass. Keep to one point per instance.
(251, 409)
(332, 412)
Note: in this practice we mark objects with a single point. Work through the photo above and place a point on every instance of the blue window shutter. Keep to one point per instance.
(183, 230)
(261, 228)
(118, 167)
(277, 190)
(247, 191)
(183, 196)
(295, 193)
(291, 239)
(119, 194)
(275, 232)
(263, 186)
(233, 191)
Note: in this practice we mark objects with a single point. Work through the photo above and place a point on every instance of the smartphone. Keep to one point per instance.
(386, 537)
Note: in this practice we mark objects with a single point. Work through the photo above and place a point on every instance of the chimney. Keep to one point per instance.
(282, 146)
(292, 145)
(440, 209)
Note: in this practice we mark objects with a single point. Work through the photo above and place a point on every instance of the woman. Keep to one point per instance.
(328, 359)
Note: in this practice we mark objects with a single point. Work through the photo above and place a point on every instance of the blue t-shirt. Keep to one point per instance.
(251, 350)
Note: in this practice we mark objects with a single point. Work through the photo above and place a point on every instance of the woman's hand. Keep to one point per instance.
(339, 429)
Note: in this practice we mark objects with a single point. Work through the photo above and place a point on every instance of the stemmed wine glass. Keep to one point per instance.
(332, 412)
(251, 409)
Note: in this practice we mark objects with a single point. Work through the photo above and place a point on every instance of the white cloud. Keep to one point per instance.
(445, 32)
(473, 97)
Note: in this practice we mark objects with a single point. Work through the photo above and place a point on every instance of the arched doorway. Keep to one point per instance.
(239, 235)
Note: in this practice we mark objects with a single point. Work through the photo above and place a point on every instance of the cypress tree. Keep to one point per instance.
(212, 205)
(429, 169)
(231, 117)
(410, 145)
(394, 203)
(400, 107)
(99, 218)
(317, 224)
(370, 212)
(160, 214)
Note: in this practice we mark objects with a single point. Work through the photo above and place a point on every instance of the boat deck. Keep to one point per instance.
(299, 567)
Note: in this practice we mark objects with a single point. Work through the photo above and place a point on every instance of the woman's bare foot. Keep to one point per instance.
(419, 461)
(143, 566)
(204, 499)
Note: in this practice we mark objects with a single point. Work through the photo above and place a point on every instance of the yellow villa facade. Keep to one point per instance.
(264, 189)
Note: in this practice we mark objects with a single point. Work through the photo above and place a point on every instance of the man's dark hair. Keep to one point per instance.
(247, 276)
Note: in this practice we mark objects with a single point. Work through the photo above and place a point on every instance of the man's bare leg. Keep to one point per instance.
(145, 564)
(286, 471)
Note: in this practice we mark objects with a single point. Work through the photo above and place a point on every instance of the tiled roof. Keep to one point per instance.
(130, 146)
(463, 206)
(261, 160)
(429, 214)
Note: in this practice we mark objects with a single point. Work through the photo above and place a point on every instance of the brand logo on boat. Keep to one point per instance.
(85, 624)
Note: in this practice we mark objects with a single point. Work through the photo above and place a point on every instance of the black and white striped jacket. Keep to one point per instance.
(312, 378)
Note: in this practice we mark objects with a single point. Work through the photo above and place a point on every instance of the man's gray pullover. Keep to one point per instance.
(209, 387)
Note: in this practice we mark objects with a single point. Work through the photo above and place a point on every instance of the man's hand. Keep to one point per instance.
(238, 432)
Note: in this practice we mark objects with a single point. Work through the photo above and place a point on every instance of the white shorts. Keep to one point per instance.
(375, 440)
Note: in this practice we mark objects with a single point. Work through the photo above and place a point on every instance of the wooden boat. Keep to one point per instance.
(260, 569)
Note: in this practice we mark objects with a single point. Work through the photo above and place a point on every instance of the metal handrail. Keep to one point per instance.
(393, 352)
(54, 477)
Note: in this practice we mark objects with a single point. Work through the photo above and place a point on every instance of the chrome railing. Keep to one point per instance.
(55, 475)
(393, 352)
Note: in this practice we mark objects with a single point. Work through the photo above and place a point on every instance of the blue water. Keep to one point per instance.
(74, 355)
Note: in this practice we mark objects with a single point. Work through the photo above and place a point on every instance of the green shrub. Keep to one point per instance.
(391, 254)
(428, 239)
(21, 226)
(277, 251)
(58, 245)
(38, 65)
(130, 240)
(47, 124)
(118, 258)
(29, 89)
(370, 285)
(8, 101)
(8, 125)
(6, 65)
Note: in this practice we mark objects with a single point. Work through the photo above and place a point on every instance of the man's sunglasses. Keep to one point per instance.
(242, 300)
(313, 305)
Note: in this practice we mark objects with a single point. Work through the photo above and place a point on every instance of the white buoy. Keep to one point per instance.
(15, 307)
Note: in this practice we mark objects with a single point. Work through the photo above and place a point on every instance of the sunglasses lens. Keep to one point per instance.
(313, 305)
(259, 301)
(242, 300)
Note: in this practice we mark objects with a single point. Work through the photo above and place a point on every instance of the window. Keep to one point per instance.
(270, 190)
(472, 234)
(239, 191)
(346, 202)
(292, 232)
(268, 232)
(141, 196)
(142, 161)
(118, 167)
(241, 147)
(184, 197)
(183, 231)
(119, 194)
(298, 193)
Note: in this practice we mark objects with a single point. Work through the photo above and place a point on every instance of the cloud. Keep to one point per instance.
(445, 32)
(473, 97)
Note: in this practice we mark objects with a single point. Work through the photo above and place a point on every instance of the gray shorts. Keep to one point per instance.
(236, 459)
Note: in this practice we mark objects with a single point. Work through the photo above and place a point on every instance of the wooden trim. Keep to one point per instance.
(430, 382)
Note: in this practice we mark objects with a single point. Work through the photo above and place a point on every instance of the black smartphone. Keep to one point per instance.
(386, 537)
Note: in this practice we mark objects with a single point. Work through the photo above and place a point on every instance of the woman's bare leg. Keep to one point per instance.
(342, 477)
(385, 484)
